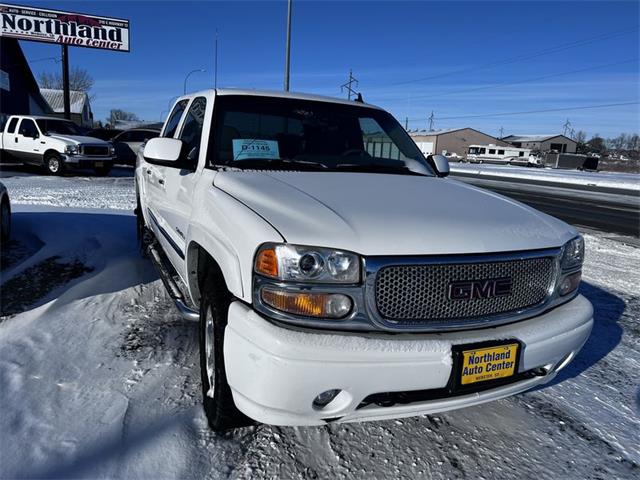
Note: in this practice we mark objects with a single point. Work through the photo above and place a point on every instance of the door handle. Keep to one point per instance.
(161, 181)
(148, 172)
(15, 139)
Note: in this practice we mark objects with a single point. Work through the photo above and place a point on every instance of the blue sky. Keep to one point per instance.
(457, 59)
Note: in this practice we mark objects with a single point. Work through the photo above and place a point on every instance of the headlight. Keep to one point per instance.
(573, 254)
(71, 149)
(112, 150)
(307, 264)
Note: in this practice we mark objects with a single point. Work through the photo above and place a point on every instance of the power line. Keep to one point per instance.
(564, 109)
(517, 82)
(540, 53)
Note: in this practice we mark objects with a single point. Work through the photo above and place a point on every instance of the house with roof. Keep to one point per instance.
(81, 113)
(452, 140)
(543, 143)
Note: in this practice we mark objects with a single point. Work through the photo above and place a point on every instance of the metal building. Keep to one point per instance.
(454, 140)
(81, 113)
(544, 143)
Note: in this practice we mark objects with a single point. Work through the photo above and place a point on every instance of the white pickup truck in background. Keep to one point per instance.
(54, 144)
(338, 275)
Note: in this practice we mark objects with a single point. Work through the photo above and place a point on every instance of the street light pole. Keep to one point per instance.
(201, 70)
(287, 62)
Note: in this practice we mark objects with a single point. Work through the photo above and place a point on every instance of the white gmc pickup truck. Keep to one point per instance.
(338, 275)
(54, 144)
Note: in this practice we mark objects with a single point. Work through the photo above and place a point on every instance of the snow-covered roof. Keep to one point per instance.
(55, 98)
(436, 132)
(532, 138)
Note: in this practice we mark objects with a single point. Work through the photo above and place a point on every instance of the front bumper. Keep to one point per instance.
(87, 160)
(275, 373)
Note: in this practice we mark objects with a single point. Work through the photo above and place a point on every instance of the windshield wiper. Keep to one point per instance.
(276, 164)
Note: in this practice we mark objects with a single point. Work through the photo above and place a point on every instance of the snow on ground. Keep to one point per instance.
(629, 182)
(99, 378)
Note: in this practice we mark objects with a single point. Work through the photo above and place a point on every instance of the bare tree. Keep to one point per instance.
(117, 114)
(633, 142)
(79, 80)
(581, 136)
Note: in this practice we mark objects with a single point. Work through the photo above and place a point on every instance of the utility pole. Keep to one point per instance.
(347, 86)
(566, 127)
(406, 123)
(66, 94)
(287, 61)
(215, 64)
(501, 133)
(431, 119)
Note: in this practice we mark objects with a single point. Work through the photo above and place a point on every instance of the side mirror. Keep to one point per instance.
(440, 164)
(163, 150)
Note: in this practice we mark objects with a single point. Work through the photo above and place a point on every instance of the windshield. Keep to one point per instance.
(62, 127)
(290, 134)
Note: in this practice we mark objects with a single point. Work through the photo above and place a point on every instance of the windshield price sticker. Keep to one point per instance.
(249, 148)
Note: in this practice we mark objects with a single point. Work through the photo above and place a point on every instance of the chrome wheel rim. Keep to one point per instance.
(54, 164)
(209, 351)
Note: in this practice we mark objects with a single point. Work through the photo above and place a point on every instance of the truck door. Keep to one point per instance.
(9, 140)
(179, 183)
(27, 142)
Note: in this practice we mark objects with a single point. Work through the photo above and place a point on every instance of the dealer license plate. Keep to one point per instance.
(488, 363)
(99, 164)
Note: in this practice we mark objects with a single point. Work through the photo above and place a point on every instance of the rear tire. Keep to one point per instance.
(53, 164)
(217, 399)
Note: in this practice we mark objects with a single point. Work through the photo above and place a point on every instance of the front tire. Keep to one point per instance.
(217, 399)
(53, 164)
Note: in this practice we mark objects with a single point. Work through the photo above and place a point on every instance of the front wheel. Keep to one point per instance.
(217, 399)
(53, 164)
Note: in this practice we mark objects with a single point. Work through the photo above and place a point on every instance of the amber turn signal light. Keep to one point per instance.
(267, 262)
(319, 305)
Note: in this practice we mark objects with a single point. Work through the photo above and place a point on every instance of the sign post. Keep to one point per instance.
(65, 29)
(66, 92)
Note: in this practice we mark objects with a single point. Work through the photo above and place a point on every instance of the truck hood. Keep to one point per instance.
(378, 214)
(78, 139)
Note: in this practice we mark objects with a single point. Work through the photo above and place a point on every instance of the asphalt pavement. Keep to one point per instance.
(609, 212)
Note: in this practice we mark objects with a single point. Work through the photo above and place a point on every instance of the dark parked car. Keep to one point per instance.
(128, 142)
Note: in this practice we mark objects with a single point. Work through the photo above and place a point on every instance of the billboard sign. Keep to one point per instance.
(64, 28)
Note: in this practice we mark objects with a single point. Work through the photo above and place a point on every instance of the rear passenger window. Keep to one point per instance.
(174, 119)
(500, 152)
(492, 151)
(12, 125)
(192, 131)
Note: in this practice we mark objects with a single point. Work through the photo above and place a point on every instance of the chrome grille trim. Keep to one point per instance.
(441, 314)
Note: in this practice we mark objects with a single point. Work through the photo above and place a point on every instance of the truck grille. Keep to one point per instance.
(95, 150)
(420, 293)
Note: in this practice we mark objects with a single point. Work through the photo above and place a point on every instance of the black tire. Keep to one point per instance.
(220, 408)
(5, 220)
(53, 164)
(103, 171)
(143, 234)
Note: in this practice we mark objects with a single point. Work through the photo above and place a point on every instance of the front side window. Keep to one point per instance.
(28, 128)
(500, 152)
(174, 119)
(492, 151)
(285, 133)
(12, 125)
(61, 127)
(191, 133)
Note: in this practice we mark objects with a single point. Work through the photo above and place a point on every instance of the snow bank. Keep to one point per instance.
(603, 180)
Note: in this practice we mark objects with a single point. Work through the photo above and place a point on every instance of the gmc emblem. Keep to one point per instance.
(470, 289)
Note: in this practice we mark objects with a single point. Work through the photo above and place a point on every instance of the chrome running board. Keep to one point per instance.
(174, 291)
